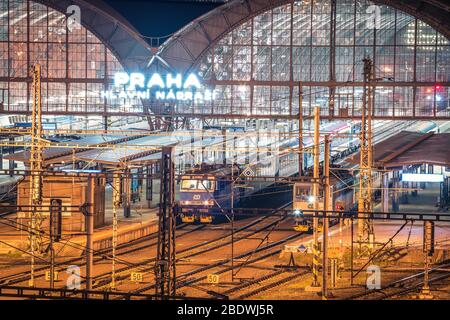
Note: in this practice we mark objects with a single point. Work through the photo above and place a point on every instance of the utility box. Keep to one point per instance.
(72, 192)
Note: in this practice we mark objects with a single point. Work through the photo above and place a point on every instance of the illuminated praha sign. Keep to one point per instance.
(170, 87)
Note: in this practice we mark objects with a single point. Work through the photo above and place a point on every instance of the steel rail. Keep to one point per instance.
(272, 285)
(401, 282)
(188, 251)
(98, 254)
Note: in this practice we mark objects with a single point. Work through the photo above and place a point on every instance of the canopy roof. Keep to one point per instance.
(411, 148)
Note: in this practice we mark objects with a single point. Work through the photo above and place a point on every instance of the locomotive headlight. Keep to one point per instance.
(297, 213)
(186, 202)
(311, 199)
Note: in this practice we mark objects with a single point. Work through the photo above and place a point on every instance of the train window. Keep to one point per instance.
(197, 185)
(189, 184)
(301, 192)
(206, 184)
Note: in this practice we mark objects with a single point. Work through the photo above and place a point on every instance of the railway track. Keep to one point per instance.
(99, 255)
(403, 286)
(204, 247)
(263, 283)
(102, 280)
(272, 284)
(267, 251)
(7, 213)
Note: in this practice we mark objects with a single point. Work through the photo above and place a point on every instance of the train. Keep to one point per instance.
(206, 191)
(341, 199)
(203, 194)
(207, 188)
(197, 202)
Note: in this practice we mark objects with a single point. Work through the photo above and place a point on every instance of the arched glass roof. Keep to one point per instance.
(76, 65)
(316, 48)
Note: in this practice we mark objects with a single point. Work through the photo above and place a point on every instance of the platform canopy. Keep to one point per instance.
(411, 148)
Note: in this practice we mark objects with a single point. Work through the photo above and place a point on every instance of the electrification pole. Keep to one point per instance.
(315, 194)
(53, 202)
(117, 201)
(36, 165)
(428, 250)
(326, 204)
(300, 130)
(365, 203)
(89, 218)
(232, 222)
(165, 271)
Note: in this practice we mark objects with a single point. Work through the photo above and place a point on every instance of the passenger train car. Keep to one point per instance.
(341, 198)
(209, 189)
(203, 195)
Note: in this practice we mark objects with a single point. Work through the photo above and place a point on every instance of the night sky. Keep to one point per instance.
(155, 18)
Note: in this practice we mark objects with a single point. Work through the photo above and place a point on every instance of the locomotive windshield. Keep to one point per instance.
(302, 193)
(197, 185)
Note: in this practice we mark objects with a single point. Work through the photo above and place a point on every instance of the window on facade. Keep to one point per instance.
(75, 64)
(408, 56)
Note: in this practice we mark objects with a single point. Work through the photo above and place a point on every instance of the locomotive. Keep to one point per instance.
(341, 199)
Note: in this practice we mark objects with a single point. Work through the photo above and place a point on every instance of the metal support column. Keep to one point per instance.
(149, 186)
(315, 194)
(365, 201)
(428, 250)
(54, 234)
(300, 131)
(126, 183)
(385, 191)
(326, 204)
(11, 163)
(224, 147)
(117, 201)
(36, 166)
(1, 158)
(90, 212)
(105, 124)
(165, 271)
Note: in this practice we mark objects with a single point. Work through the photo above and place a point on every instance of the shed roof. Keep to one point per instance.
(411, 148)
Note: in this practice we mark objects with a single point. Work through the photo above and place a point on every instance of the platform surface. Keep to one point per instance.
(411, 234)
